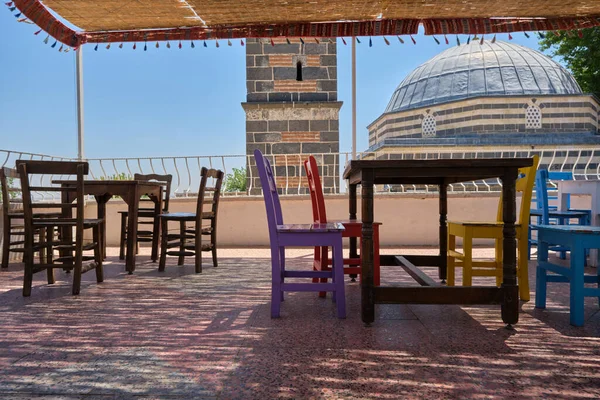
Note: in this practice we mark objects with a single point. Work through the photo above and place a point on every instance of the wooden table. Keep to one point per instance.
(590, 188)
(440, 173)
(130, 191)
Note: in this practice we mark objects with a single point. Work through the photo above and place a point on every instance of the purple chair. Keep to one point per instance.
(306, 235)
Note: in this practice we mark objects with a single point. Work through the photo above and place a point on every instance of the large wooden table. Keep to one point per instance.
(130, 191)
(441, 173)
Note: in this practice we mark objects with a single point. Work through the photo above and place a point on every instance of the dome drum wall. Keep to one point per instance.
(491, 115)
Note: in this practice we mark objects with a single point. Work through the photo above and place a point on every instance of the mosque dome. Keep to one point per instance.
(488, 69)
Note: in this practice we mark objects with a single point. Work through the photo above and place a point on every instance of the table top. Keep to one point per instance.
(106, 182)
(432, 171)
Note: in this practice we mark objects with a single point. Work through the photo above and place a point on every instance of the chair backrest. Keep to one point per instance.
(546, 192)
(541, 194)
(269, 189)
(214, 191)
(524, 185)
(79, 169)
(7, 177)
(164, 180)
(316, 190)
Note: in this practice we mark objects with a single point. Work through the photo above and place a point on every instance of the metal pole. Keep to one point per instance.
(79, 72)
(353, 98)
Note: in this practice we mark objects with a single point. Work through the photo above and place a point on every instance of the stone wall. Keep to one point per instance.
(292, 110)
(490, 115)
(289, 133)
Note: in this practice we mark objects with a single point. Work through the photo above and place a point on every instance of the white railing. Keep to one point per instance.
(583, 163)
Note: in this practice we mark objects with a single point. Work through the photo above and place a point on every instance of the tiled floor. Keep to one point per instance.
(181, 335)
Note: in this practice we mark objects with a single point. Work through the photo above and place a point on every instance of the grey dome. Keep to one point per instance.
(488, 69)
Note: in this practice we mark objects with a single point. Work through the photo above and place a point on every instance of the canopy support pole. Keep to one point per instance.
(353, 98)
(79, 84)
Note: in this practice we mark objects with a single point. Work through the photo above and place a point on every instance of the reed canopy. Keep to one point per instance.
(75, 22)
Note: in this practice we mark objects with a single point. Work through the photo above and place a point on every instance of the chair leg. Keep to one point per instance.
(123, 237)
(282, 265)
(197, 248)
(164, 226)
(6, 237)
(523, 272)
(451, 264)
(98, 254)
(577, 283)
(541, 275)
(28, 272)
(181, 258)
(338, 277)
(214, 250)
(77, 271)
(155, 239)
(468, 260)
(276, 281)
(49, 231)
(376, 258)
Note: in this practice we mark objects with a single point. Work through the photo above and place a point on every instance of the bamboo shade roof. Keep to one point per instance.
(143, 20)
(107, 15)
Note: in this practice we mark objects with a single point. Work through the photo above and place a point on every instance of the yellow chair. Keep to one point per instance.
(493, 230)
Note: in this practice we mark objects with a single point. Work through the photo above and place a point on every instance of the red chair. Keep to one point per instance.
(353, 229)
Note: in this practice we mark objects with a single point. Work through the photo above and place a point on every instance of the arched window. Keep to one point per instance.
(428, 126)
(533, 117)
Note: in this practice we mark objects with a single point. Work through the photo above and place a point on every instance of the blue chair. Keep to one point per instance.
(578, 239)
(546, 214)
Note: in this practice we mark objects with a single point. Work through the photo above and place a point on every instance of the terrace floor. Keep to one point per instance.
(181, 335)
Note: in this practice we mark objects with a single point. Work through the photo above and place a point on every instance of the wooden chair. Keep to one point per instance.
(578, 239)
(188, 242)
(493, 230)
(147, 216)
(352, 229)
(71, 252)
(546, 214)
(12, 214)
(282, 236)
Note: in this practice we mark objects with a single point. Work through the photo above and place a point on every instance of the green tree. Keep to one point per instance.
(236, 181)
(581, 54)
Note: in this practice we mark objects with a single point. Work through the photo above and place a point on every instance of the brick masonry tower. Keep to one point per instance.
(292, 110)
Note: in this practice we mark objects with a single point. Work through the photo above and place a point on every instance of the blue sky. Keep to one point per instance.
(169, 102)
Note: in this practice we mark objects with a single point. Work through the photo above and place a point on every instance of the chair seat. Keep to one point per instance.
(352, 222)
(485, 224)
(142, 212)
(179, 216)
(65, 222)
(311, 228)
(557, 213)
(582, 229)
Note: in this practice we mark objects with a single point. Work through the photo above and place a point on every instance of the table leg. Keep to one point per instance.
(101, 202)
(133, 205)
(443, 265)
(510, 303)
(156, 226)
(367, 295)
(353, 240)
(352, 203)
(66, 233)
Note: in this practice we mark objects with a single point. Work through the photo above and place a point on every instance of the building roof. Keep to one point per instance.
(488, 69)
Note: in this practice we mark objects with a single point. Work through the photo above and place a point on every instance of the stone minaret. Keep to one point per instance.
(292, 110)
